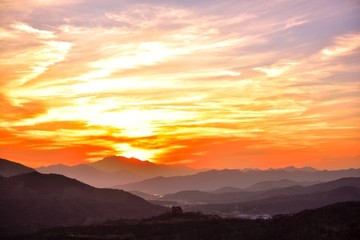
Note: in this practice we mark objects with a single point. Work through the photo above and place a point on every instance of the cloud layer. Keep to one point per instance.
(213, 84)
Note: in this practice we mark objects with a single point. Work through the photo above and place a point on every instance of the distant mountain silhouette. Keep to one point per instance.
(266, 185)
(198, 197)
(34, 201)
(145, 169)
(283, 204)
(9, 168)
(305, 169)
(115, 170)
(227, 189)
(90, 175)
(214, 179)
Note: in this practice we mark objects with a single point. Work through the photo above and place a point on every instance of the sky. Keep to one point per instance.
(207, 84)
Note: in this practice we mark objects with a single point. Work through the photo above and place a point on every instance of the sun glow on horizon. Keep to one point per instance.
(128, 151)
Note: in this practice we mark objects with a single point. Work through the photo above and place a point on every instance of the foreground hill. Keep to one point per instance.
(199, 197)
(8, 168)
(215, 179)
(334, 222)
(282, 204)
(34, 201)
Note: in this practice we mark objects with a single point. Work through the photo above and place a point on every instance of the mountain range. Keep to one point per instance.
(281, 204)
(282, 183)
(199, 197)
(132, 174)
(31, 201)
(215, 179)
(265, 185)
(116, 170)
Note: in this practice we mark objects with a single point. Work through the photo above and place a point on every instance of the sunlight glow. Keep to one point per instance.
(126, 150)
(208, 84)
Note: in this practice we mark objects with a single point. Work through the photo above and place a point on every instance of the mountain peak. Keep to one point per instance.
(116, 163)
(142, 168)
(125, 160)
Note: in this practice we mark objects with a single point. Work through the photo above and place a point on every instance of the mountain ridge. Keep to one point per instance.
(9, 168)
(90, 175)
(198, 197)
(115, 170)
(215, 179)
(284, 204)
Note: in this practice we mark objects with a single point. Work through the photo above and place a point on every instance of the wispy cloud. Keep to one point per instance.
(203, 83)
(344, 45)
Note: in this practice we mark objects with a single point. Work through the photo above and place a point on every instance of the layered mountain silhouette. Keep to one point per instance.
(9, 168)
(265, 185)
(283, 204)
(199, 197)
(215, 179)
(33, 201)
(116, 170)
(227, 189)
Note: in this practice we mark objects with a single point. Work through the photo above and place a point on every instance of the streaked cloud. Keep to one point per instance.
(344, 45)
(208, 84)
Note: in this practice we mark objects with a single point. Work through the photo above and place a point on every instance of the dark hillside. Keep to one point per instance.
(35, 201)
(335, 222)
(282, 204)
(9, 168)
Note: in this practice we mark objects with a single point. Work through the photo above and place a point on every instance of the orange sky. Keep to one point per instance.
(215, 84)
